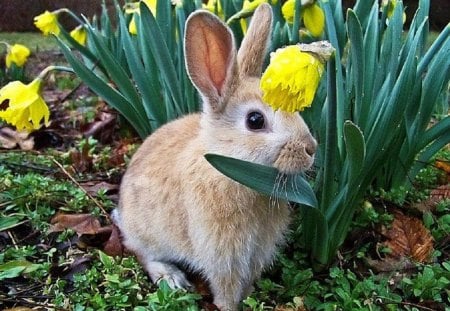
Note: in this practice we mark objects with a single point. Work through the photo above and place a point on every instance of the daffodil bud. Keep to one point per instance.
(311, 14)
(79, 34)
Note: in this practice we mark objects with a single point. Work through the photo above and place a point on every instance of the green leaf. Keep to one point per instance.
(117, 73)
(12, 269)
(161, 54)
(155, 115)
(355, 35)
(316, 235)
(106, 260)
(356, 152)
(371, 49)
(8, 222)
(264, 179)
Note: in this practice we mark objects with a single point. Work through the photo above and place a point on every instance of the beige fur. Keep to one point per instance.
(176, 208)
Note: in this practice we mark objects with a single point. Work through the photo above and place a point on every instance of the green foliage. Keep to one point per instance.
(151, 86)
(439, 222)
(119, 284)
(14, 73)
(366, 142)
(431, 283)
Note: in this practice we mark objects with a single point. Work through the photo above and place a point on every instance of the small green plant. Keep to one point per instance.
(431, 283)
(439, 222)
(119, 284)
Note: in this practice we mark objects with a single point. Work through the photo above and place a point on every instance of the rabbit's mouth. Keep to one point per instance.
(296, 157)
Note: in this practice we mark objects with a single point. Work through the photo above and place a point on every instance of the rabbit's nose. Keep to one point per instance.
(310, 147)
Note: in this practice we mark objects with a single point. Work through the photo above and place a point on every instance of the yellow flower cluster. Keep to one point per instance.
(26, 108)
(291, 79)
(311, 14)
(17, 54)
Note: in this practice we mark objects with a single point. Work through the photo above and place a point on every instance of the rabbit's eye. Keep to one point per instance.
(255, 120)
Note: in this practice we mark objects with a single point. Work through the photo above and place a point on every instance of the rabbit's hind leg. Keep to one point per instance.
(174, 277)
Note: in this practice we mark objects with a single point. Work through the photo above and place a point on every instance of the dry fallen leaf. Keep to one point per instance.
(80, 223)
(94, 187)
(440, 193)
(120, 151)
(443, 165)
(81, 161)
(102, 128)
(90, 231)
(113, 247)
(436, 196)
(408, 237)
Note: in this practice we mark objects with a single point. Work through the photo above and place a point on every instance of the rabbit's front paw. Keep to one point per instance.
(174, 277)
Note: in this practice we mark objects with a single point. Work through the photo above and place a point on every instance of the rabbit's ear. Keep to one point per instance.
(254, 46)
(210, 58)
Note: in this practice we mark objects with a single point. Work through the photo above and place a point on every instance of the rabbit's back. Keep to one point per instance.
(149, 207)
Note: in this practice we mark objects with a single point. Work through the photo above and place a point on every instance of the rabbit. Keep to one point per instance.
(175, 208)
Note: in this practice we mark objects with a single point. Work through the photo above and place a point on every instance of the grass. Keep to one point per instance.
(33, 40)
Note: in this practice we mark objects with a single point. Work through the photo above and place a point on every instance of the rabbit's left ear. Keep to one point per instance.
(254, 46)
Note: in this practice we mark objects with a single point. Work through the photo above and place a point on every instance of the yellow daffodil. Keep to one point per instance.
(17, 54)
(25, 106)
(248, 7)
(290, 81)
(390, 4)
(288, 11)
(79, 34)
(312, 15)
(314, 19)
(151, 4)
(214, 7)
(47, 22)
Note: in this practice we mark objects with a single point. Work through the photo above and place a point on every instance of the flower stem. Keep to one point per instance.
(73, 15)
(296, 24)
(51, 68)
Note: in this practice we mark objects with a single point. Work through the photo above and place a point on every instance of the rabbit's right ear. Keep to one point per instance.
(210, 58)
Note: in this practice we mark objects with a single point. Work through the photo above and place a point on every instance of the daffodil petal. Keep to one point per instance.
(26, 108)
(290, 81)
(79, 34)
(17, 54)
(47, 22)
